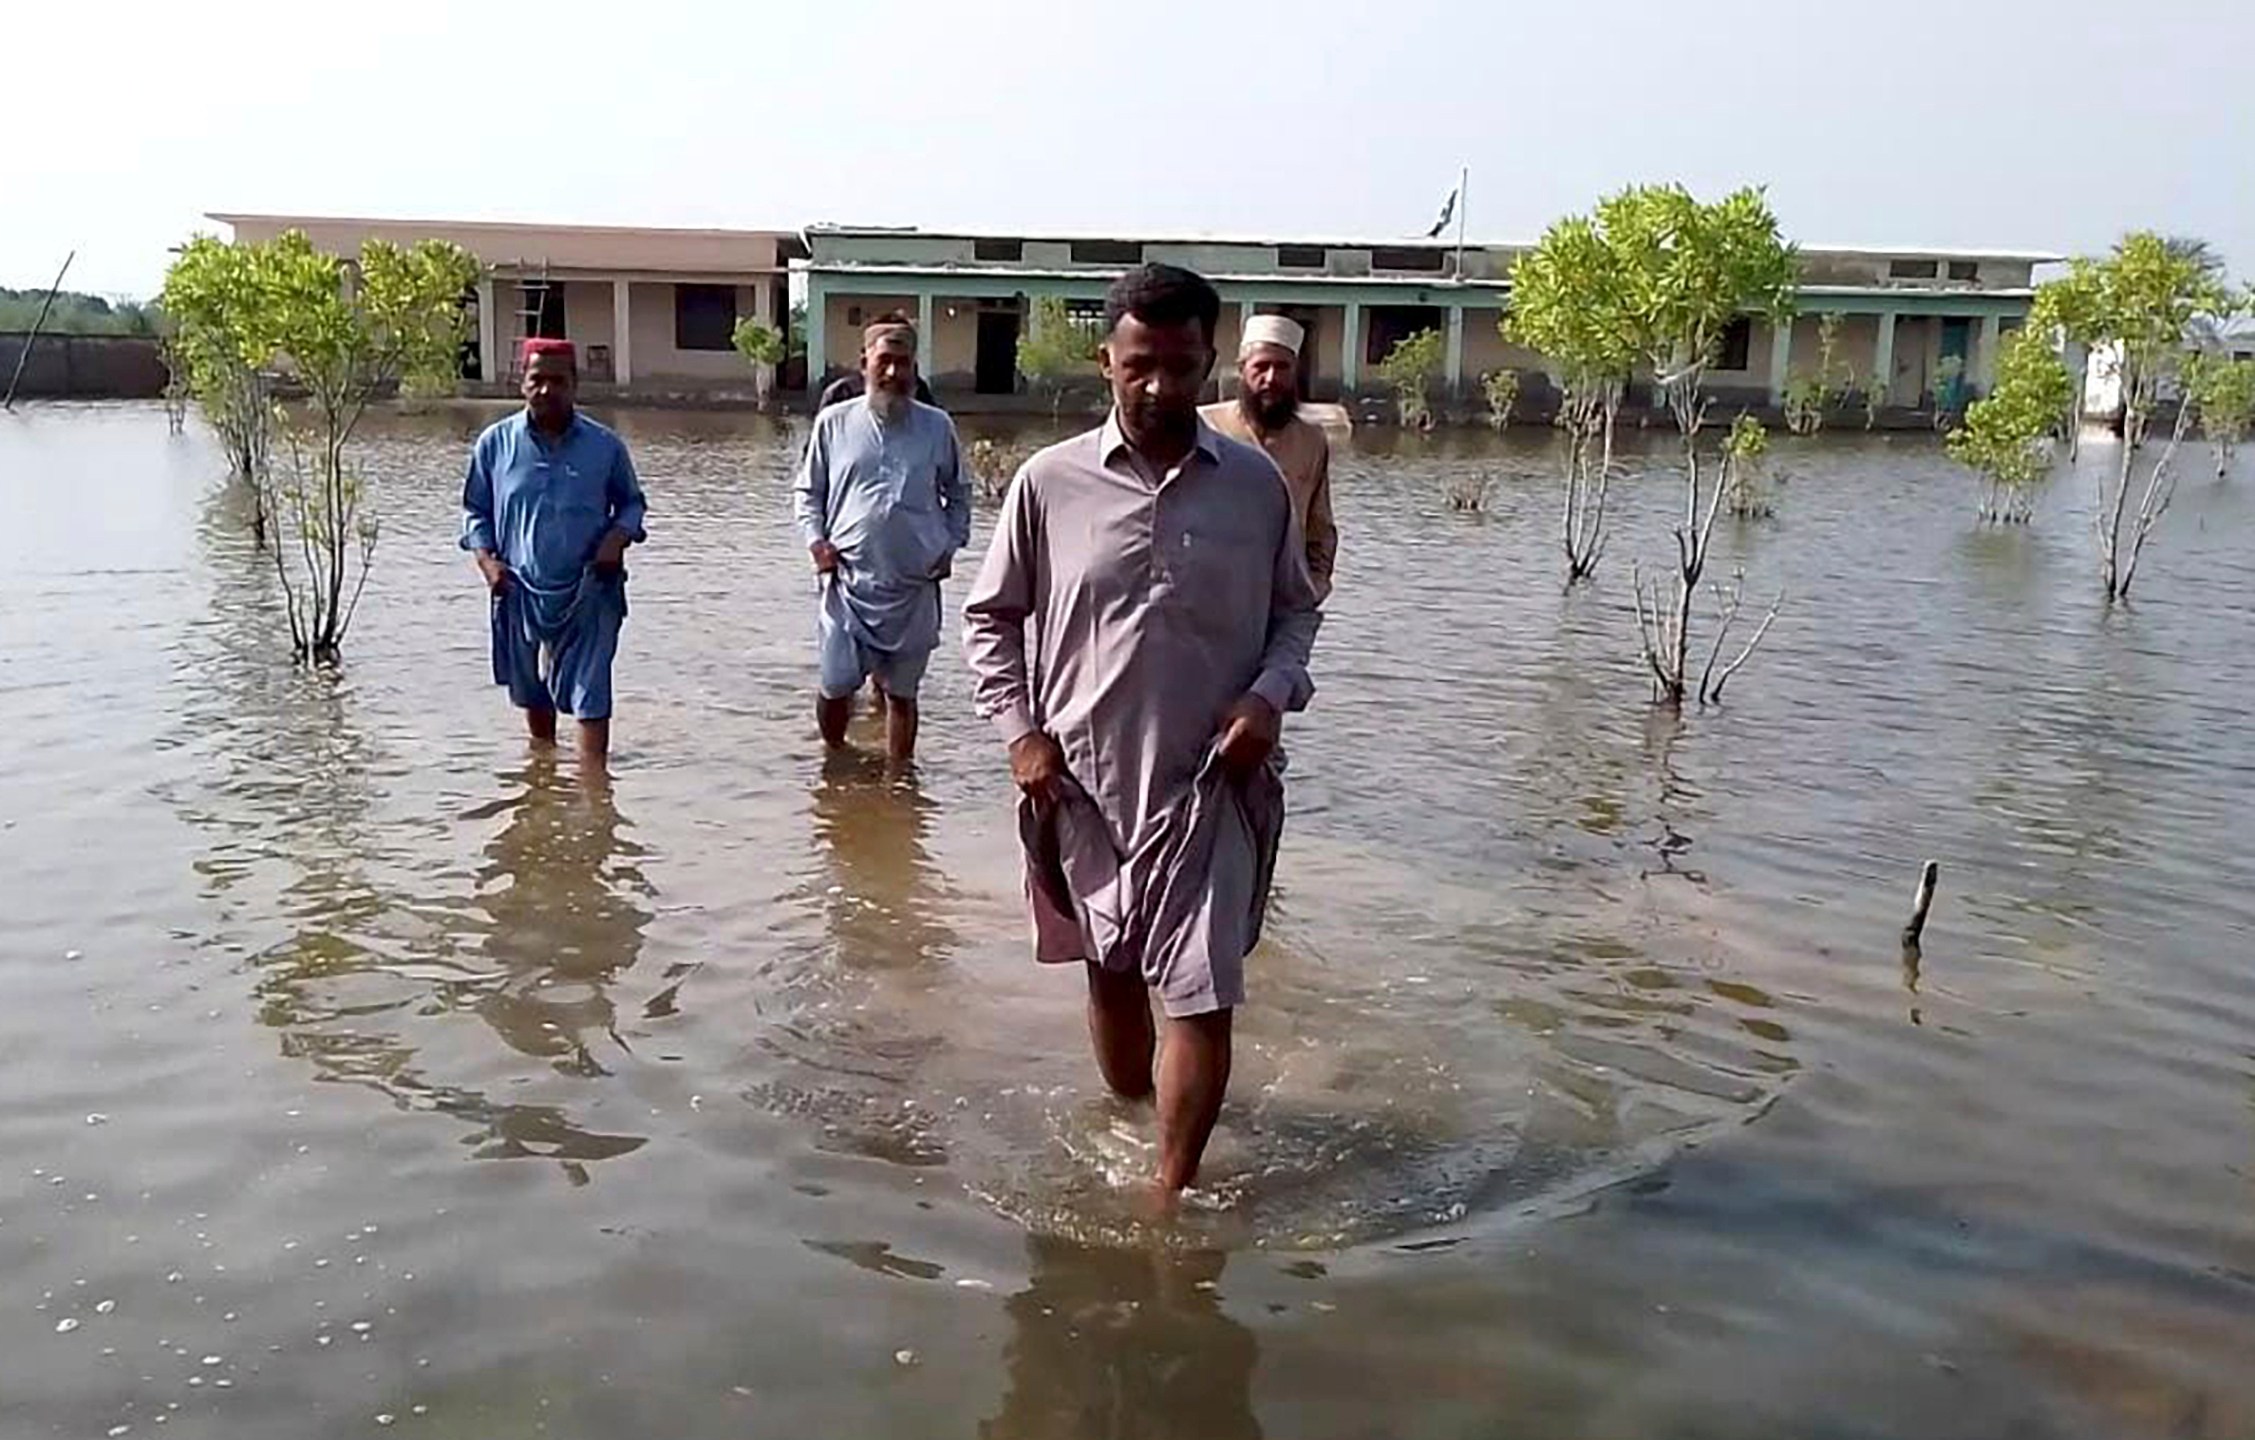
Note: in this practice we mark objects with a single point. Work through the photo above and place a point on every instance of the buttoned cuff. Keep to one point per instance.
(1014, 722)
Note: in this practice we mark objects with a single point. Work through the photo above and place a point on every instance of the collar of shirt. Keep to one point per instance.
(532, 431)
(1113, 440)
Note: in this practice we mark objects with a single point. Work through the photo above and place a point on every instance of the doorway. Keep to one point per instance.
(996, 365)
(1389, 325)
(1957, 344)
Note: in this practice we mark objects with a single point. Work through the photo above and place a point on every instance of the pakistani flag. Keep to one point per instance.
(1448, 213)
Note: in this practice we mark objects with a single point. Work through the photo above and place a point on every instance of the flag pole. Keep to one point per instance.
(1463, 179)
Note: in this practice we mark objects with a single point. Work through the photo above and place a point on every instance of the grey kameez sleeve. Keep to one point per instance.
(1293, 619)
(811, 491)
(995, 613)
(955, 491)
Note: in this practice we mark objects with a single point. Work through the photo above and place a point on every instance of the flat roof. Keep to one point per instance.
(882, 268)
(1420, 242)
(518, 227)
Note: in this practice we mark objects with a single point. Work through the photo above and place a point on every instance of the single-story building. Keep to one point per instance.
(653, 310)
(1905, 312)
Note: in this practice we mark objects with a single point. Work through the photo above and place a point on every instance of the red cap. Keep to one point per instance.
(537, 345)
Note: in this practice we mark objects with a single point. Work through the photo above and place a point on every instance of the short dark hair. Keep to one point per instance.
(1162, 295)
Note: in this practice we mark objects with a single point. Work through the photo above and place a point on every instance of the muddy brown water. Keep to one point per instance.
(361, 1073)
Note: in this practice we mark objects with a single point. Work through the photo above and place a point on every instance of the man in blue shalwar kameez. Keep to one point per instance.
(549, 506)
(882, 505)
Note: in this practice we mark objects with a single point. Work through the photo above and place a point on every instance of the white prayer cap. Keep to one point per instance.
(1271, 330)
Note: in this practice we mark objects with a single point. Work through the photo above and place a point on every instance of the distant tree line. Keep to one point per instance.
(78, 314)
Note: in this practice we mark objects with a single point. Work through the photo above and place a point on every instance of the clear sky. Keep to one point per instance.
(2012, 123)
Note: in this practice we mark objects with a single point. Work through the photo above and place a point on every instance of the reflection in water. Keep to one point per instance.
(560, 890)
(886, 900)
(1109, 1344)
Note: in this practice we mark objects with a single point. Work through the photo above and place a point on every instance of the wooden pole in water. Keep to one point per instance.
(1924, 902)
(33, 338)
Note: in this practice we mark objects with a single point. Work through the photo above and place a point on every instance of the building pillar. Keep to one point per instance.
(1453, 372)
(1985, 355)
(1883, 357)
(927, 341)
(491, 368)
(817, 337)
(622, 343)
(1781, 358)
(1350, 349)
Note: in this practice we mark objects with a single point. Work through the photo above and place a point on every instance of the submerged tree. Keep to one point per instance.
(1409, 370)
(2137, 308)
(219, 350)
(1688, 270)
(1743, 451)
(1055, 351)
(349, 334)
(1501, 388)
(345, 334)
(2221, 392)
(1808, 397)
(1567, 304)
(761, 345)
(2007, 435)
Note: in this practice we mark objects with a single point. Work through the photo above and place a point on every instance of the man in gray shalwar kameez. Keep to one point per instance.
(883, 505)
(1140, 627)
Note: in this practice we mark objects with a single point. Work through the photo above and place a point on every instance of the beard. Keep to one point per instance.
(1275, 411)
(887, 403)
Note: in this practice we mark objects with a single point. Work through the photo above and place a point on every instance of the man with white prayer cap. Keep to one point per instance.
(1266, 413)
(883, 504)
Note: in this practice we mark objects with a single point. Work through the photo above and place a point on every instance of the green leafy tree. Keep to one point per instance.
(1567, 304)
(345, 335)
(349, 334)
(1875, 389)
(1687, 270)
(2007, 435)
(761, 345)
(1743, 452)
(1808, 397)
(2221, 392)
(1947, 393)
(2136, 307)
(1055, 350)
(1501, 387)
(220, 346)
(1409, 370)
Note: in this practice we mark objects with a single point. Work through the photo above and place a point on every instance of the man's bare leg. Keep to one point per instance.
(541, 725)
(900, 728)
(594, 744)
(1119, 1026)
(1193, 1076)
(830, 716)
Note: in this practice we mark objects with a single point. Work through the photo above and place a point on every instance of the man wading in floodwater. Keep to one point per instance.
(1266, 413)
(883, 505)
(1164, 583)
(548, 508)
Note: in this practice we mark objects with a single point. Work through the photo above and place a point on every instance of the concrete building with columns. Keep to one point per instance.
(1904, 311)
(652, 311)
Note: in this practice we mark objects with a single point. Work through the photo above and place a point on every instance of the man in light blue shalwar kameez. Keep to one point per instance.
(883, 505)
(549, 505)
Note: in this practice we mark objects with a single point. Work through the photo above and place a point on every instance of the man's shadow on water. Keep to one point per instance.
(562, 891)
(1113, 1344)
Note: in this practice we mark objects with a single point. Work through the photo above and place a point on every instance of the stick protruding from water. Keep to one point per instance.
(1928, 876)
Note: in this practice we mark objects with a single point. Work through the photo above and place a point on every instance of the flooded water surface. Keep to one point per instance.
(363, 1072)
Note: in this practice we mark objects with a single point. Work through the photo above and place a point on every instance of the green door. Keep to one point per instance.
(1949, 379)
